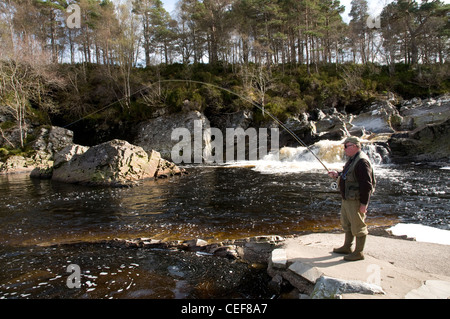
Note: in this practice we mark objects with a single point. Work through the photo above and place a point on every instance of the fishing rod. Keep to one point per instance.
(299, 140)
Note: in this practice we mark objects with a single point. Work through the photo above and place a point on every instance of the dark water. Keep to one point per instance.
(209, 203)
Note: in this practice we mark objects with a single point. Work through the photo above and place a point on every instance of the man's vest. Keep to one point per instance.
(349, 176)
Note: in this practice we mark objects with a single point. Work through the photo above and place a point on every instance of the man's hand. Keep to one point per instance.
(333, 174)
(363, 209)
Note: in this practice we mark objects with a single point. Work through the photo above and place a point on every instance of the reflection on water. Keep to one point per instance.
(209, 203)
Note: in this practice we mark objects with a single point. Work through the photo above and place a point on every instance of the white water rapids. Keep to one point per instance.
(299, 159)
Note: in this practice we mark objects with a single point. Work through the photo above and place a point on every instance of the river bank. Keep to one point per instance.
(304, 267)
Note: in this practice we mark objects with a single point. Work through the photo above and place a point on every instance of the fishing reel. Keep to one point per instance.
(334, 186)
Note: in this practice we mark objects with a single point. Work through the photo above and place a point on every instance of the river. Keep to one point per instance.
(46, 226)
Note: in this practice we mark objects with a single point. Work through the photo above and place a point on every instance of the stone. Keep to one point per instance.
(155, 134)
(67, 153)
(114, 163)
(310, 273)
(194, 243)
(44, 172)
(431, 289)
(276, 283)
(270, 239)
(228, 251)
(17, 164)
(428, 143)
(417, 113)
(53, 139)
(332, 288)
(377, 119)
(279, 258)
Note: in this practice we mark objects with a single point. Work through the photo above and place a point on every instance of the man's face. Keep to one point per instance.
(351, 149)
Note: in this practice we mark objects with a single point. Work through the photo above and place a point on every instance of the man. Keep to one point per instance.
(356, 184)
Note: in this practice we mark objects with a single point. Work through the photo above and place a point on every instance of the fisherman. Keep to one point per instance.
(356, 184)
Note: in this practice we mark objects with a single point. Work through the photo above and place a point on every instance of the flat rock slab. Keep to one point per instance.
(431, 289)
(279, 258)
(305, 270)
(397, 266)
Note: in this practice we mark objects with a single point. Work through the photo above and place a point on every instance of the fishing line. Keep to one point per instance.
(220, 88)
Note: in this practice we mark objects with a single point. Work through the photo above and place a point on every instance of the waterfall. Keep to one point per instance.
(298, 159)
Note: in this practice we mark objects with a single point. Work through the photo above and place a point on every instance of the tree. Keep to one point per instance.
(157, 28)
(214, 16)
(161, 29)
(358, 29)
(193, 33)
(126, 47)
(413, 30)
(143, 9)
(52, 13)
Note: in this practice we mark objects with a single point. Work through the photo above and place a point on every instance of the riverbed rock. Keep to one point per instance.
(114, 163)
(17, 164)
(379, 118)
(67, 153)
(332, 127)
(428, 143)
(312, 128)
(39, 155)
(52, 139)
(332, 288)
(417, 113)
(45, 171)
(155, 134)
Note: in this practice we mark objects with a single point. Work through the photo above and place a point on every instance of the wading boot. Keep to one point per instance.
(347, 248)
(358, 253)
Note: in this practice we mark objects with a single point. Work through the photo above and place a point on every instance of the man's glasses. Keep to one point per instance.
(348, 145)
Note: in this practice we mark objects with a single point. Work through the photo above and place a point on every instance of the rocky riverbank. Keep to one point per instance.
(115, 163)
(410, 131)
(304, 266)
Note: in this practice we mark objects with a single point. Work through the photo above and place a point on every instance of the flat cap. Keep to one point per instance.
(353, 140)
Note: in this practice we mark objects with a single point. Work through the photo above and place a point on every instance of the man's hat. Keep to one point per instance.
(353, 140)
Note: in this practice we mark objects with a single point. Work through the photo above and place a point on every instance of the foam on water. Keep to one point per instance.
(300, 159)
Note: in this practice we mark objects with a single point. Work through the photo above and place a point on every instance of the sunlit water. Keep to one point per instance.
(282, 197)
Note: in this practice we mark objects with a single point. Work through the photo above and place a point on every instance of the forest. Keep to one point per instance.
(102, 60)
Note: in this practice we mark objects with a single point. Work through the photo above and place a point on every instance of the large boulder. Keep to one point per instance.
(156, 134)
(48, 140)
(301, 126)
(417, 113)
(52, 139)
(428, 143)
(380, 118)
(332, 126)
(315, 127)
(114, 163)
